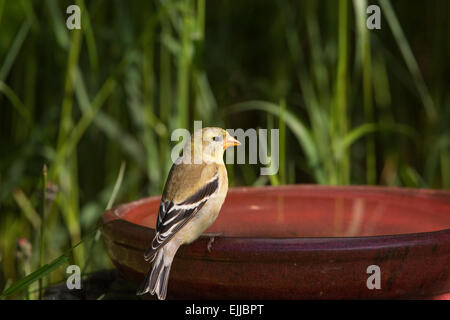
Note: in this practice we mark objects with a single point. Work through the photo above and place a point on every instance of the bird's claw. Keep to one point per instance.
(212, 237)
(210, 242)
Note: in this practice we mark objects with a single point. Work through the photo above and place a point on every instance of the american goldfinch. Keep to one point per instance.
(193, 195)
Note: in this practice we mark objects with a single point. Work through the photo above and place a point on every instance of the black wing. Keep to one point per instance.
(172, 217)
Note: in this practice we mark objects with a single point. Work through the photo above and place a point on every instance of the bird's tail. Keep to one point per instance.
(157, 278)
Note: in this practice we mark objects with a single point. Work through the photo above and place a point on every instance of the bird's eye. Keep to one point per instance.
(216, 138)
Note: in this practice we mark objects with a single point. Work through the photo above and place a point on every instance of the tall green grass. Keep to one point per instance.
(353, 106)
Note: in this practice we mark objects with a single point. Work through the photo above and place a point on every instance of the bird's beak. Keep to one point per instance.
(230, 142)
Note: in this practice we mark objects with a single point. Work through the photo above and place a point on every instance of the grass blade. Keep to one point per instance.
(282, 125)
(365, 48)
(27, 208)
(339, 115)
(367, 128)
(42, 240)
(410, 60)
(86, 119)
(15, 101)
(116, 186)
(301, 132)
(35, 276)
(108, 206)
(14, 50)
(42, 271)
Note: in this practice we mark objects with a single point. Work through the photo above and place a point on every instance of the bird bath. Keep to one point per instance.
(300, 242)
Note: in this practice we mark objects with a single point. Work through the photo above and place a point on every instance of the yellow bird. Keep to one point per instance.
(193, 195)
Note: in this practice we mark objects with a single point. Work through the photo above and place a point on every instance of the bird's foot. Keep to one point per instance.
(212, 237)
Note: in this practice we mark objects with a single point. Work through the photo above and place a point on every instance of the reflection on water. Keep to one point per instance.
(326, 215)
(318, 214)
(357, 224)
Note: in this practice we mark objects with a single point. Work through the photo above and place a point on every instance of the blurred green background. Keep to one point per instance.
(98, 105)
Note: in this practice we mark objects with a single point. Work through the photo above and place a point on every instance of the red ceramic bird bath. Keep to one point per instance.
(300, 242)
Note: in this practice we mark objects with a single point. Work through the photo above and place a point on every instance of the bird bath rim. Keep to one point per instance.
(219, 267)
(120, 211)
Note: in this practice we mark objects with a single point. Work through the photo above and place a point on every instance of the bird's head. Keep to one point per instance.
(210, 144)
